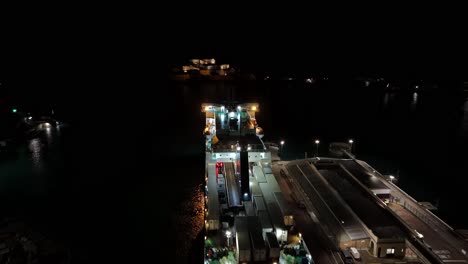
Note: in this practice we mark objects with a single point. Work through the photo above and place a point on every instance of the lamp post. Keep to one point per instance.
(228, 235)
(391, 178)
(351, 145)
(317, 142)
(281, 148)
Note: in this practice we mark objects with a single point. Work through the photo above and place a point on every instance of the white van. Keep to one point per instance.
(355, 253)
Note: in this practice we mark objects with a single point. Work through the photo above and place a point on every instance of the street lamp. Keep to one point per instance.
(228, 235)
(281, 149)
(317, 142)
(391, 178)
(351, 145)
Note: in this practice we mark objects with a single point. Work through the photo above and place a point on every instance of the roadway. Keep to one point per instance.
(332, 210)
(375, 217)
(370, 181)
(319, 245)
(436, 238)
(232, 186)
(432, 238)
(347, 220)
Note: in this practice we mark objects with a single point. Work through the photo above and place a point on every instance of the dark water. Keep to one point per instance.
(129, 186)
(32, 179)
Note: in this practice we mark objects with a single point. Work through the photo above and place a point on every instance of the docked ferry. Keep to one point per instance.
(247, 218)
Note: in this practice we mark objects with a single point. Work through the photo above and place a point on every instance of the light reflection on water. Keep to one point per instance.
(465, 116)
(388, 99)
(414, 101)
(48, 134)
(38, 146)
(27, 177)
(189, 220)
(35, 149)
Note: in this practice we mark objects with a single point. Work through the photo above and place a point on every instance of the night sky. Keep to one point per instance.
(91, 50)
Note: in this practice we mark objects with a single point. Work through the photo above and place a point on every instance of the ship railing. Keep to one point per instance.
(252, 149)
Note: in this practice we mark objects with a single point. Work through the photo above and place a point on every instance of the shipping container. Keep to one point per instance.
(264, 219)
(240, 224)
(212, 217)
(273, 246)
(258, 246)
(284, 207)
(249, 208)
(267, 169)
(258, 174)
(243, 253)
(254, 188)
(256, 238)
(270, 178)
(276, 217)
(267, 192)
(258, 203)
(277, 221)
